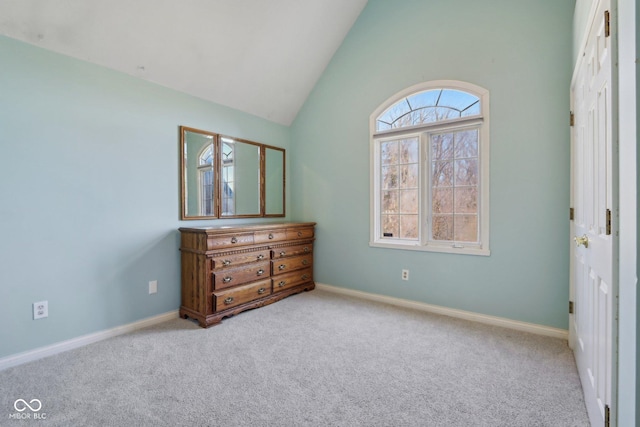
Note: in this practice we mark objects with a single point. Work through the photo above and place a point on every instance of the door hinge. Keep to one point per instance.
(608, 222)
(570, 307)
(607, 23)
(572, 118)
(571, 213)
(607, 416)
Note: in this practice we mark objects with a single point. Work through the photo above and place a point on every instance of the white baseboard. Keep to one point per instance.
(50, 350)
(461, 314)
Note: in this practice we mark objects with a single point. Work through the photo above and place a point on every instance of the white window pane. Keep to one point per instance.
(397, 110)
(466, 200)
(457, 99)
(424, 99)
(466, 172)
(409, 227)
(442, 174)
(466, 144)
(409, 150)
(389, 152)
(409, 176)
(442, 227)
(465, 228)
(390, 226)
(390, 177)
(409, 201)
(473, 110)
(390, 202)
(442, 146)
(380, 126)
(442, 200)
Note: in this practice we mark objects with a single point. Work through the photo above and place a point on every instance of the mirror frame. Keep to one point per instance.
(217, 177)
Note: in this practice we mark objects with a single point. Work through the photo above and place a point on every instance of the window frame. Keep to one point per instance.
(424, 132)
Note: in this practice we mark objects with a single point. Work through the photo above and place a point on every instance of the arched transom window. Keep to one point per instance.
(430, 177)
(429, 106)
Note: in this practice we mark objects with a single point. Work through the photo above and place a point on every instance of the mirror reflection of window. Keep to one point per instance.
(205, 181)
(228, 177)
(225, 177)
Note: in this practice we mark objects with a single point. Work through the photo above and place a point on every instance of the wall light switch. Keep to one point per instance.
(153, 287)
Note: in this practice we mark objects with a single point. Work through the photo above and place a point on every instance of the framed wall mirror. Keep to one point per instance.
(226, 177)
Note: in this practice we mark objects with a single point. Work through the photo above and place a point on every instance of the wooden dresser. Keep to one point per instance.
(226, 270)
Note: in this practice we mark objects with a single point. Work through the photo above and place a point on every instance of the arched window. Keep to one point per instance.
(430, 169)
(205, 180)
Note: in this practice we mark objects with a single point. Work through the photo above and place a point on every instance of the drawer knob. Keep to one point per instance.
(260, 272)
(234, 240)
(270, 236)
(227, 279)
(282, 267)
(226, 262)
(281, 284)
(299, 233)
(305, 277)
(261, 256)
(305, 261)
(306, 249)
(261, 291)
(283, 253)
(228, 300)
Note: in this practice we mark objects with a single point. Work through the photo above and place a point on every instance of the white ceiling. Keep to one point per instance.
(262, 57)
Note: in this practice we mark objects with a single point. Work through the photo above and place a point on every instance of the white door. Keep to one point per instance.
(593, 291)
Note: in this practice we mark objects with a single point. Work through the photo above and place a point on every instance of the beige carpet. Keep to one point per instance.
(314, 359)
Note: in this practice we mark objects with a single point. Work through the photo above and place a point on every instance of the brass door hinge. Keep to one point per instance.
(607, 23)
(570, 307)
(571, 213)
(572, 119)
(608, 222)
(607, 416)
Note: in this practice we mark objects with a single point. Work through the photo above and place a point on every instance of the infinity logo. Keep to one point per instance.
(24, 405)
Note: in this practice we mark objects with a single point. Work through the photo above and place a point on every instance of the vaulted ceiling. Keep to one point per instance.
(262, 57)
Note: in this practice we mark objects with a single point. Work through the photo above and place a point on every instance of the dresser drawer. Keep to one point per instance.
(289, 280)
(270, 236)
(284, 265)
(241, 294)
(291, 251)
(299, 233)
(229, 240)
(233, 260)
(237, 276)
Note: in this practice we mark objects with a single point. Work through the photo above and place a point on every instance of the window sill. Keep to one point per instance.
(426, 248)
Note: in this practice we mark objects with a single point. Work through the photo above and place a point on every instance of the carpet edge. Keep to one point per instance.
(81, 341)
(451, 312)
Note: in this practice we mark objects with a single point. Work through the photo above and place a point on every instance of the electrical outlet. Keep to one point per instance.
(405, 274)
(153, 287)
(40, 309)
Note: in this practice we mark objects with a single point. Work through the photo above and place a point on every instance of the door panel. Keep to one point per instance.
(591, 326)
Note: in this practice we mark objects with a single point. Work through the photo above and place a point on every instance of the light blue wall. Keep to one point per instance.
(89, 193)
(520, 51)
(637, 33)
